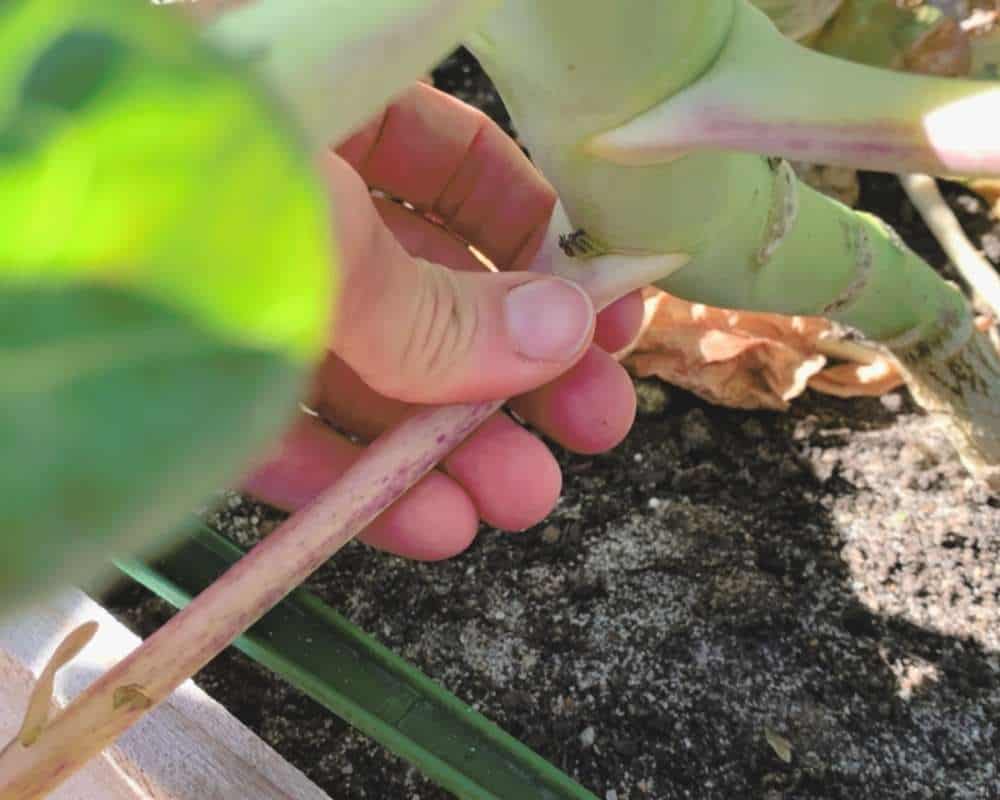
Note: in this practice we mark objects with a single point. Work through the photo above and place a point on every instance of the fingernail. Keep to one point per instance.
(548, 319)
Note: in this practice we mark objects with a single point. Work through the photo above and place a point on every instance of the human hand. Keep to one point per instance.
(409, 331)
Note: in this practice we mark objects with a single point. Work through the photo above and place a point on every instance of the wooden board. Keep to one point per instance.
(190, 748)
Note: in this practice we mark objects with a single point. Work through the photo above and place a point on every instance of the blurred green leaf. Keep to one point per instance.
(166, 279)
(72, 69)
(136, 156)
(117, 415)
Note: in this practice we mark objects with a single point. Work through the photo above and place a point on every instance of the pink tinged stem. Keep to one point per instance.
(248, 590)
(766, 94)
(121, 696)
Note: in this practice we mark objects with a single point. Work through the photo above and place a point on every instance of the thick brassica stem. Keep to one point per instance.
(756, 238)
(766, 94)
(804, 253)
(953, 371)
(599, 63)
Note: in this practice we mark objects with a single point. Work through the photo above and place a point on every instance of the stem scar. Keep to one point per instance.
(784, 209)
(859, 245)
(131, 696)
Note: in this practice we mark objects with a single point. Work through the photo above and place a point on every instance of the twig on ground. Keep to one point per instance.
(976, 271)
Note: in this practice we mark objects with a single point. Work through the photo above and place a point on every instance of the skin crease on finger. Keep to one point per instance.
(588, 409)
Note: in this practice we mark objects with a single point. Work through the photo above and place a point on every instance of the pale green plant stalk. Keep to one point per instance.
(337, 62)
(766, 94)
(635, 165)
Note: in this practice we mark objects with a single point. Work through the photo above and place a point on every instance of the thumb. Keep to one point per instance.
(422, 333)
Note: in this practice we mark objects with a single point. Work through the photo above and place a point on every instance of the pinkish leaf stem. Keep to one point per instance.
(383, 473)
(766, 94)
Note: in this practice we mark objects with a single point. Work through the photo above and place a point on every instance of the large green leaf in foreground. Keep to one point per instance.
(165, 278)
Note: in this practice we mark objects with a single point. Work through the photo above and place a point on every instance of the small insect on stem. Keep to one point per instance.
(578, 244)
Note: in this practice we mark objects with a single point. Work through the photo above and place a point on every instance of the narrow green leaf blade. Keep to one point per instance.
(344, 669)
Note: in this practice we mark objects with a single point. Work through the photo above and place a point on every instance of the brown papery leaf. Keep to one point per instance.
(858, 380)
(943, 50)
(746, 359)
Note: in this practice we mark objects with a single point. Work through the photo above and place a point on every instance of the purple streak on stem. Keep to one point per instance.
(863, 145)
(239, 597)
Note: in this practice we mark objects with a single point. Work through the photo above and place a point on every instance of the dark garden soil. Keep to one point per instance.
(722, 586)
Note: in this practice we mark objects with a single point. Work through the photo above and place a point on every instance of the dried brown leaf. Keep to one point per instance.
(746, 359)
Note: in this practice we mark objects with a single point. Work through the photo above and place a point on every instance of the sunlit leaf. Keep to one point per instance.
(166, 279)
(174, 176)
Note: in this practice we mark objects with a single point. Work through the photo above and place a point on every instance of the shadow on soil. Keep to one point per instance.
(723, 586)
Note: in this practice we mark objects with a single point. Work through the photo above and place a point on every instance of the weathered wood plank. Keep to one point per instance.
(190, 748)
(100, 779)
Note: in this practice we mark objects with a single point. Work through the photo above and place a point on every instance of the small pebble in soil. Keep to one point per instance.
(696, 432)
(892, 401)
(991, 247)
(651, 397)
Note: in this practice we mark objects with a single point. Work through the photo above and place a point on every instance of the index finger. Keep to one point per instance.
(451, 160)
